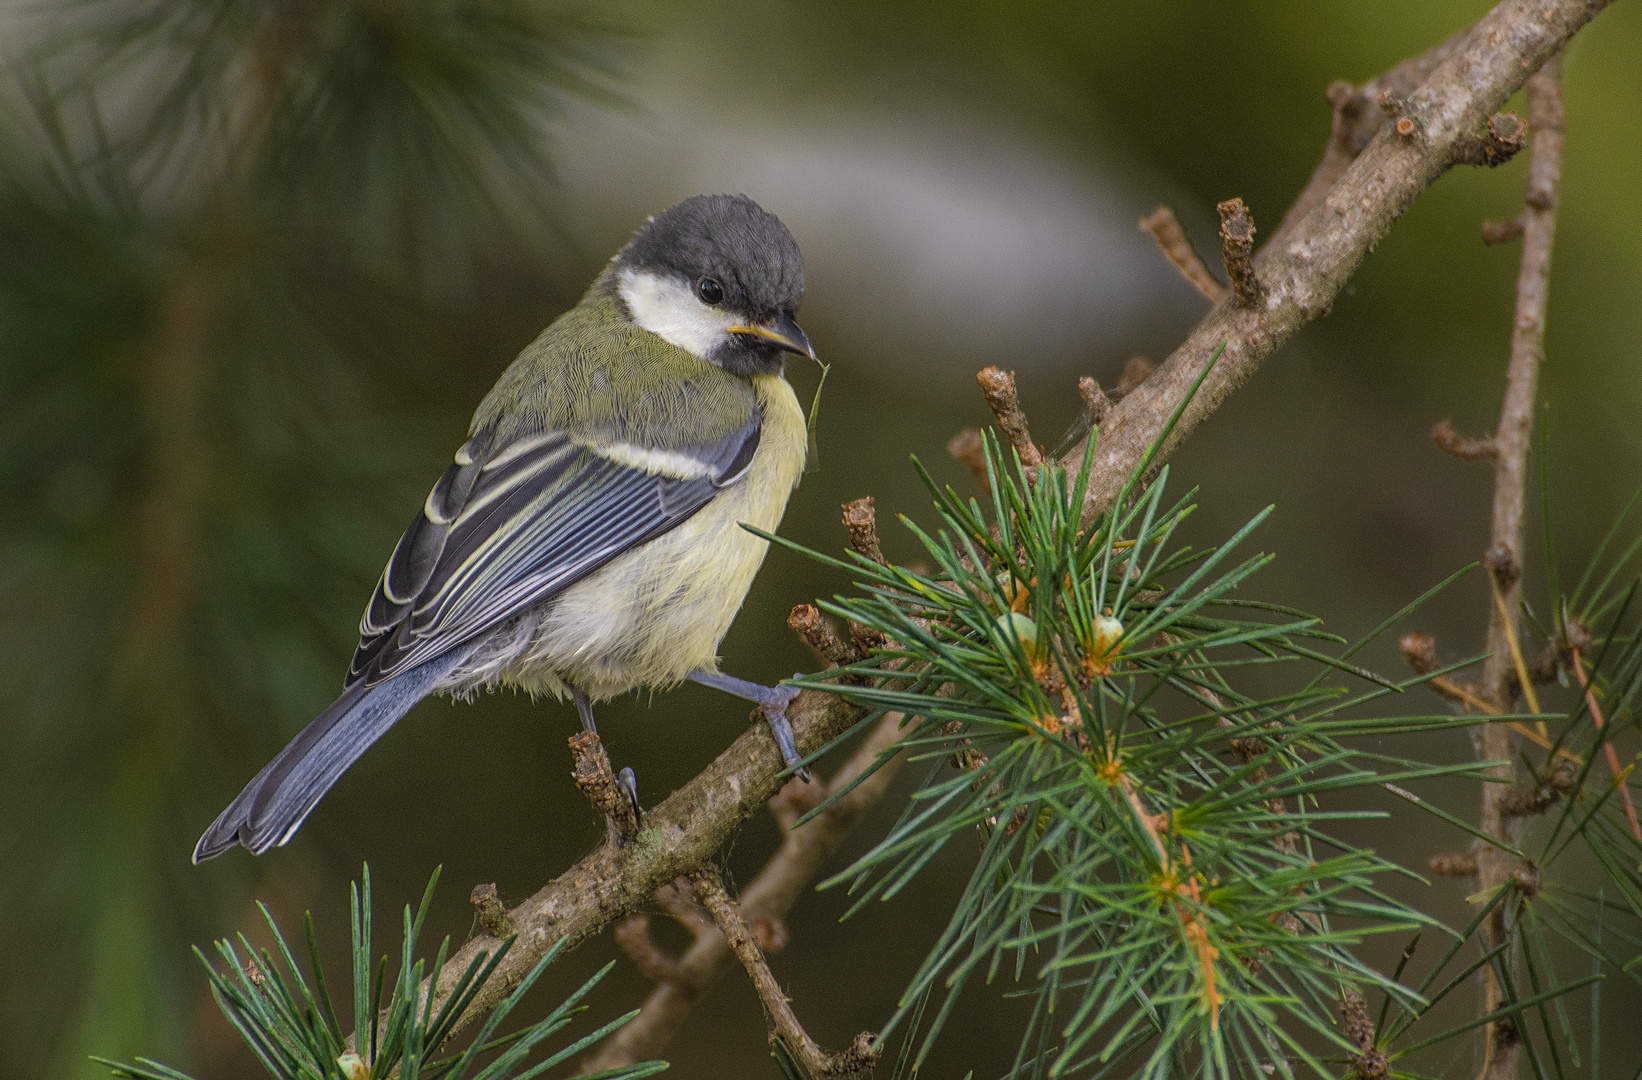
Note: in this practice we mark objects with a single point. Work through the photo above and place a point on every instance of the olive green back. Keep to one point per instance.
(594, 374)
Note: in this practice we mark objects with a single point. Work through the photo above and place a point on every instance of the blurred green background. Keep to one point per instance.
(258, 262)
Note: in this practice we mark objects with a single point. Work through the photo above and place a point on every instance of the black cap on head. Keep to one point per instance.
(730, 239)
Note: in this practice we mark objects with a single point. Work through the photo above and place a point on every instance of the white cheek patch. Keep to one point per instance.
(668, 307)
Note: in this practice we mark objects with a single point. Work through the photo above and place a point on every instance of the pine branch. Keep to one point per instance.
(1165, 228)
(679, 835)
(1303, 270)
(851, 1064)
(803, 853)
(1308, 261)
(1496, 869)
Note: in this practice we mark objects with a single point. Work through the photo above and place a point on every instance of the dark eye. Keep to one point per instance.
(710, 291)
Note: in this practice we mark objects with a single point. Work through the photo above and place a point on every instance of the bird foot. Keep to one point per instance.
(772, 701)
(628, 780)
(775, 713)
(615, 795)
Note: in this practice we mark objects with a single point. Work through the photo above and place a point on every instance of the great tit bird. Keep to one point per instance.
(587, 539)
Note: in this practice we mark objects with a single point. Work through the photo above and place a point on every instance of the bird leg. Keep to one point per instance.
(598, 782)
(772, 701)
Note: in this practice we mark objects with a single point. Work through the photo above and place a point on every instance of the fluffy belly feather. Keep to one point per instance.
(653, 615)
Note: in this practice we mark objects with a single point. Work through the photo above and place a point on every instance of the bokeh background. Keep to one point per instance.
(259, 262)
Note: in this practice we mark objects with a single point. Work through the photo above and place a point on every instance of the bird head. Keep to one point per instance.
(720, 277)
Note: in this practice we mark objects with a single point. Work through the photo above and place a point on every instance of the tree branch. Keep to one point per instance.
(1495, 868)
(1165, 228)
(1358, 117)
(1237, 252)
(678, 835)
(1310, 257)
(816, 1062)
(803, 854)
(1303, 268)
(999, 389)
(1453, 443)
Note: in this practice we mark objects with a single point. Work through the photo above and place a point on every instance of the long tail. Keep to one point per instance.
(275, 803)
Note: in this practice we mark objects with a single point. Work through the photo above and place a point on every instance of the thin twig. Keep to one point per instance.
(1458, 865)
(1501, 232)
(861, 519)
(1619, 774)
(678, 899)
(1237, 252)
(1001, 397)
(1420, 650)
(1496, 868)
(592, 773)
(817, 1063)
(633, 935)
(1369, 1062)
(1095, 402)
(1453, 443)
(803, 854)
(1165, 228)
(821, 636)
(1304, 266)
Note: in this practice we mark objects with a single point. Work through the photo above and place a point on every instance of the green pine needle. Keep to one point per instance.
(291, 1028)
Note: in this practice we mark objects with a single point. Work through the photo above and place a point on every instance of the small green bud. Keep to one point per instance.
(1022, 627)
(353, 1067)
(1103, 642)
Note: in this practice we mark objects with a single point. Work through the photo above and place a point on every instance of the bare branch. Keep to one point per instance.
(999, 388)
(1165, 228)
(817, 1063)
(1306, 264)
(1369, 1062)
(861, 519)
(592, 773)
(1095, 401)
(766, 901)
(821, 636)
(1303, 268)
(1452, 442)
(678, 899)
(1358, 117)
(1456, 865)
(1501, 232)
(1495, 867)
(1237, 252)
(633, 935)
(678, 835)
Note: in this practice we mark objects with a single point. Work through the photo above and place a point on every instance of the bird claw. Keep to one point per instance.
(775, 713)
(629, 782)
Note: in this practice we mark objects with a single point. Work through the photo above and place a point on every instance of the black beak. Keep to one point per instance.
(782, 331)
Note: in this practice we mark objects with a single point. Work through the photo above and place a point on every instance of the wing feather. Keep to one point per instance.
(508, 527)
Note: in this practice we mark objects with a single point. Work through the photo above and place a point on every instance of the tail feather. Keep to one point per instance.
(279, 799)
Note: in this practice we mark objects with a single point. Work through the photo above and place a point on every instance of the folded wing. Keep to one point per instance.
(508, 527)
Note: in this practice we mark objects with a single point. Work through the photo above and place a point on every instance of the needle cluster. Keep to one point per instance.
(292, 1028)
(1154, 865)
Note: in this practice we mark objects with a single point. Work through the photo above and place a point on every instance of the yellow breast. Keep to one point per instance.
(657, 613)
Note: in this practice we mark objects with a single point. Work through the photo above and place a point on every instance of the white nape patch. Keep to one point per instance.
(670, 463)
(669, 308)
